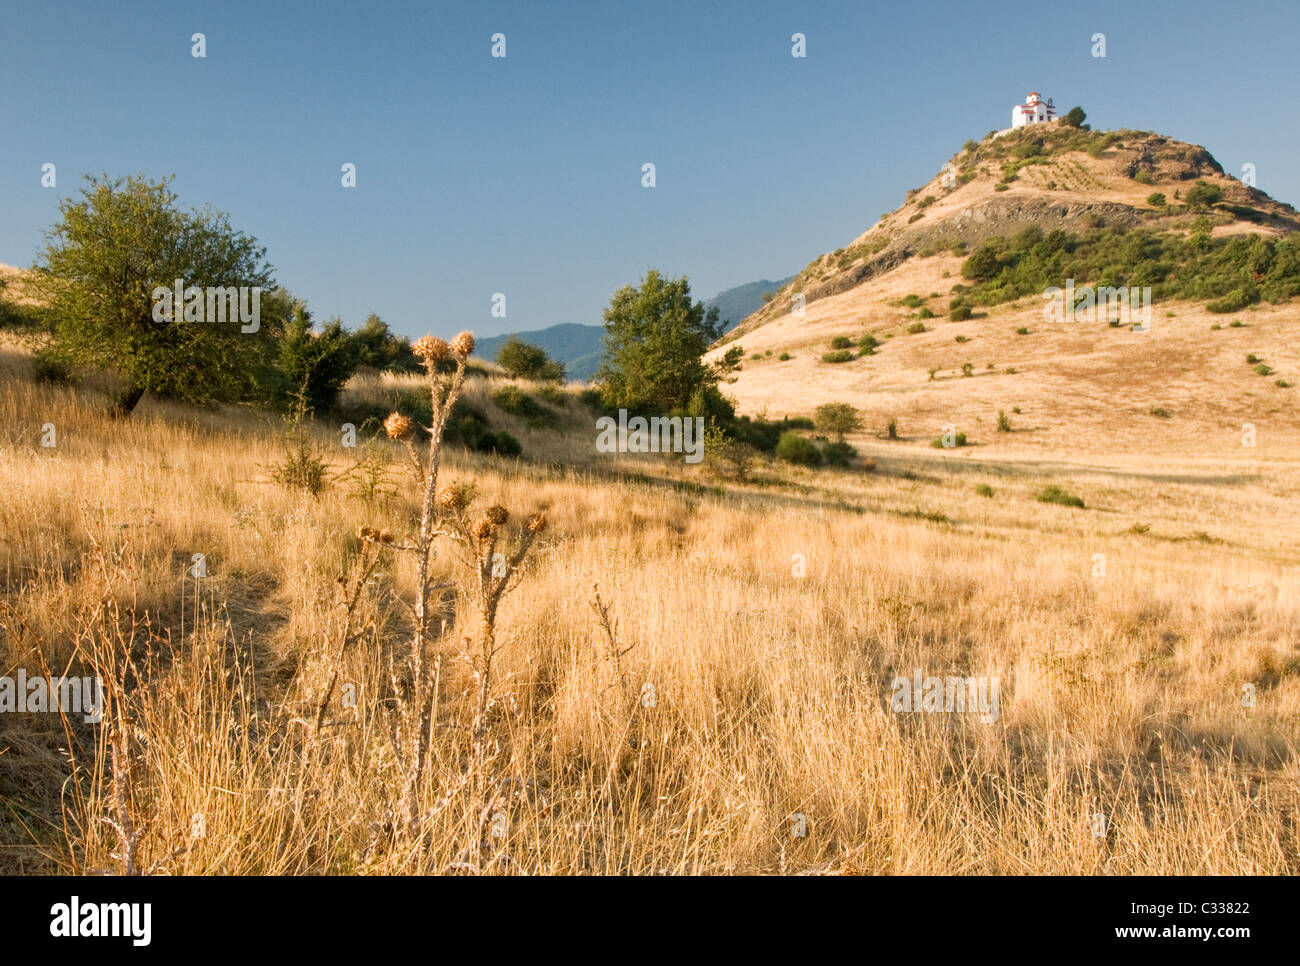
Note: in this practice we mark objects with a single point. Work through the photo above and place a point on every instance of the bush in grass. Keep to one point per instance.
(553, 394)
(840, 355)
(984, 490)
(1203, 195)
(1054, 494)
(916, 328)
(516, 402)
(839, 454)
(841, 342)
(1234, 301)
(797, 449)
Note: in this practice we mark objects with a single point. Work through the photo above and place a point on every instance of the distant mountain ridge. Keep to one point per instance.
(582, 348)
(736, 304)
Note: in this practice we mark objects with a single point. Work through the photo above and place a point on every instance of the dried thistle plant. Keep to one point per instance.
(490, 573)
(416, 691)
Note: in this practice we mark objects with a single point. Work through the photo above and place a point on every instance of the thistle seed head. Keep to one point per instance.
(463, 344)
(453, 496)
(397, 426)
(429, 349)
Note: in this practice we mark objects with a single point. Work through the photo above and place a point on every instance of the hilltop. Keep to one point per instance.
(1053, 178)
(1117, 208)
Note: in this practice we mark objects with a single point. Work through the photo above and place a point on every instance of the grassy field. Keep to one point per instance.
(737, 715)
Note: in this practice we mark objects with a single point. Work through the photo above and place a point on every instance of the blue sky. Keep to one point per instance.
(523, 175)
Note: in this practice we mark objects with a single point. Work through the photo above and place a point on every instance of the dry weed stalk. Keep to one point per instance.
(613, 655)
(411, 723)
(352, 586)
(492, 575)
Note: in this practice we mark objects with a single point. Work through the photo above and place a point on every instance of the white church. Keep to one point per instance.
(1035, 110)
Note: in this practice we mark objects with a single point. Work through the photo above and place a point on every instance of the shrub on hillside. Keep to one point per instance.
(1054, 494)
(839, 454)
(553, 394)
(317, 361)
(516, 402)
(1234, 301)
(797, 449)
(1203, 194)
(841, 355)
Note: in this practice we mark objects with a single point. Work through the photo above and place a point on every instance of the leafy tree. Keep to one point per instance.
(318, 362)
(1203, 194)
(379, 348)
(655, 340)
(983, 263)
(524, 361)
(837, 419)
(97, 273)
(1075, 117)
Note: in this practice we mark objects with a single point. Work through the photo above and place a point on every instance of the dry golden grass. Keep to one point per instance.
(1120, 695)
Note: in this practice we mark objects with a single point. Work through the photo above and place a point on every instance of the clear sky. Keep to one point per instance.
(522, 175)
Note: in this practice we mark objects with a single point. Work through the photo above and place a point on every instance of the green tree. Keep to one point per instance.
(655, 340)
(378, 347)
(837, 419)
(317, 362)
(1203, 194)
(525, 361)
(97, 275)
(983, 264)
(1075, 117)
